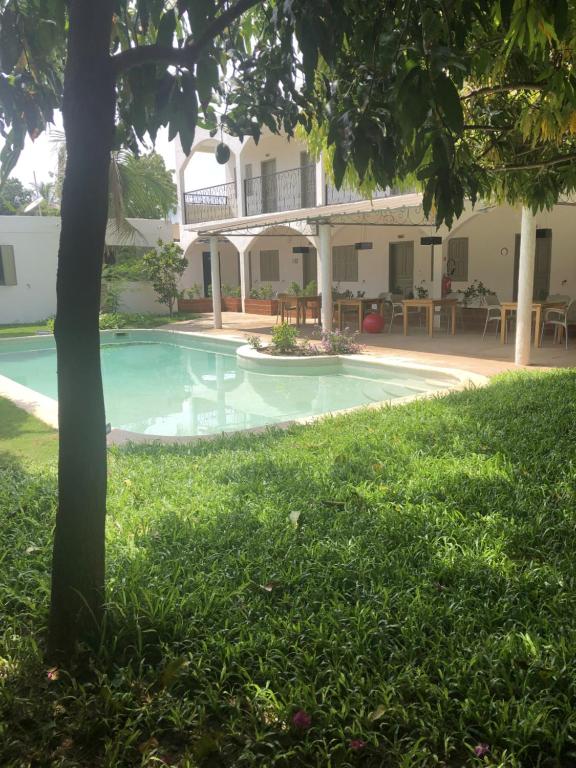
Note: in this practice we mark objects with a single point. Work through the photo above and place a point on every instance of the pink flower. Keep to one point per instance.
(357, 744)
(481, 750)
(301, 720)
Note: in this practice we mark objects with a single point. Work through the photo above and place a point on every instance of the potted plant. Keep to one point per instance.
(261, 301)
(193, 301)
(231, 300)
(473, 314)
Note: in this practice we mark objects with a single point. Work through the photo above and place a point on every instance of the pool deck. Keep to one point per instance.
(466, 350)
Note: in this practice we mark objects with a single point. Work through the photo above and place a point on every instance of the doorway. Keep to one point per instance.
(207, 272)
(269, 186)
(542, 265)
(309, 267)
(401, 281)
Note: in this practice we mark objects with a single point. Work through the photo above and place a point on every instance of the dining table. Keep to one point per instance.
(430, 306)
(538, 307)
(359, 305)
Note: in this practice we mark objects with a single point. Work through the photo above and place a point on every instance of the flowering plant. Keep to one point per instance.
(340, 342)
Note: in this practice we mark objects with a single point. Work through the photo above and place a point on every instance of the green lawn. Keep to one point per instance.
(405, 577)
(23, 437)
(116, 320)
(10, 331)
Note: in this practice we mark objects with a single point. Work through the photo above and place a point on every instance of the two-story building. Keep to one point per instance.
(276, 220)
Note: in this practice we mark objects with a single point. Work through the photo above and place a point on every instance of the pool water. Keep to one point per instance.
(157, 383)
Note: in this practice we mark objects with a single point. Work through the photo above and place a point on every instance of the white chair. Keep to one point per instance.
(491, 303)
(559, 318)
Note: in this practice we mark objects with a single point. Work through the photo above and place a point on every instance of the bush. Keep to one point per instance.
(340, 342)
(284, 338)
(265, 291)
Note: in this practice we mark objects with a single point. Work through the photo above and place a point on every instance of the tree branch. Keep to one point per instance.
(536, 166)
(489, 90)
(180, 57)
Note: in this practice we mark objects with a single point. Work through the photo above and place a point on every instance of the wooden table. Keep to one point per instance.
(358, 305)
(537, 309)
(430, 306)
(302, 304)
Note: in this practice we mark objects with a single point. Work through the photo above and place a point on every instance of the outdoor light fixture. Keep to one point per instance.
(364, 246)
(431, 241)
(301, 249)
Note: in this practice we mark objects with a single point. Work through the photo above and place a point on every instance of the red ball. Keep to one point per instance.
(373, 323)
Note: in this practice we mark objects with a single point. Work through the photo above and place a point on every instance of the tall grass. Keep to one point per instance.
(403, 577)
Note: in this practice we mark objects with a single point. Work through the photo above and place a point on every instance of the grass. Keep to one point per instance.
(115, 320)
(23, 437)
(16, 329)
(404, 576)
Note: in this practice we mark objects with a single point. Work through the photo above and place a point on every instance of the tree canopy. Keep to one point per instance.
(14, 197)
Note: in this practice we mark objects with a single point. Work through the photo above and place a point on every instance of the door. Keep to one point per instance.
(269, 186)
(309, 267)
(542, 265)
(307, 181)
(402, 268)
(207, 273)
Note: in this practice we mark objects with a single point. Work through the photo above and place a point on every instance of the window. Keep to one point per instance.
(269, 267)
(7, 265)
(457, 264)
(344, 264)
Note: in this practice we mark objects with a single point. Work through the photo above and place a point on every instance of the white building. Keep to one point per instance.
(276, 212)
(29, 258)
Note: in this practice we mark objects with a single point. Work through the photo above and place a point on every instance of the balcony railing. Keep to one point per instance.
(210, 204)
(342, 195)
(281, 191)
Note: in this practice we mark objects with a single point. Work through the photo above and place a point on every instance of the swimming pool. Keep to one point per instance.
(174, 384)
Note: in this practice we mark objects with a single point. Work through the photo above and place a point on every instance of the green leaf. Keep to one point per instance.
(207, 79)
(449, 101)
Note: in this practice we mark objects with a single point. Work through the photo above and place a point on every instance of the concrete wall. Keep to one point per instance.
(194, 274)
(35, 241)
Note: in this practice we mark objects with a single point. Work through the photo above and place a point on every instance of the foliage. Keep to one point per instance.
(474, 291)
(148, 189)
(340, 342)
(127, 263)
(195, 291)
(264, 291)
(112, 320)
(294, 289)
(421, 290)
(424, 603)
(164, 266)
(111, 292)
(231, 290)
(311, 289)
(284, 338)
(26, 329)
(255, 342)
(14, 197)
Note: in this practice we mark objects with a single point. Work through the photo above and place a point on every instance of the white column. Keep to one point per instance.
(325, 253)
(525, 287)
(244, 277)
(320, 182)
(239, 186)
(215, 271)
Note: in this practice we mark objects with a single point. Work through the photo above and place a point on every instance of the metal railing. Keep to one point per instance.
(342, 195)
(211, 204)
(281, 191)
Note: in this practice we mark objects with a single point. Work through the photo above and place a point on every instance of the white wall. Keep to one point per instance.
(229, 268)
(35, 240)
(291, 266)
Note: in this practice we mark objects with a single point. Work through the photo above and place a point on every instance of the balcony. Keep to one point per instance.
(210, 204)
(281, 191)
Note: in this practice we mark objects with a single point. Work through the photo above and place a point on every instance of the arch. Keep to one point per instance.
(282, 230)
(204, 145)
(197, 276)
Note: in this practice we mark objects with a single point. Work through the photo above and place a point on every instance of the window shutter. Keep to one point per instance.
(457, 266)
(269, 266)
(344, 264)
(7, 265)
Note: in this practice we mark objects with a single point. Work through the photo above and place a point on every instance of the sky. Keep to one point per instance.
(40, 158)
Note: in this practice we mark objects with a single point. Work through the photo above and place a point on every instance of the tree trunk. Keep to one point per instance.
(78, 558)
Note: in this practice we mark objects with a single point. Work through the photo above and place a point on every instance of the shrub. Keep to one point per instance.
(195, 292)
(340, 342)
(295, 289)
(265, 291)
(255, 342)
(284, 338)
(311, 289)
(164, 266)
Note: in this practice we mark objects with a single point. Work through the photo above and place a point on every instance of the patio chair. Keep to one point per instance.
(491, 303)
(559, 319)
(290, 308)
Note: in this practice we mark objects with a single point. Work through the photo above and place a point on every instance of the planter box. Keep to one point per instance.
(473, 318)
(195, 305)
(261, 306)
(231, 304)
